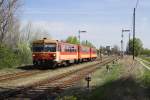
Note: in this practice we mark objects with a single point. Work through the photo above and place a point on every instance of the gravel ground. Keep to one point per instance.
(9, 71)
(42, 76)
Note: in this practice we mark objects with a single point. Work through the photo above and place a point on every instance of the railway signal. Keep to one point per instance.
(123, 30)
(88, 79)
(108, 67)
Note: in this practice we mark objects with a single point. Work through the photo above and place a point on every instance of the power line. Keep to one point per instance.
(137, 2)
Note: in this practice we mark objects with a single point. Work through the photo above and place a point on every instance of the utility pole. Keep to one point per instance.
(79, 34)
(86, 42)
(134, 10)
(133, 33)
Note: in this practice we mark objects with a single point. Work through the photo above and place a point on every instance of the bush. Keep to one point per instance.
(66, 98)
(7, 57)
(146, 78)
(14, 57)
(24, 53)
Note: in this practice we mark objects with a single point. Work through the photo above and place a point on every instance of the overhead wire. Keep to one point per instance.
(137, 2)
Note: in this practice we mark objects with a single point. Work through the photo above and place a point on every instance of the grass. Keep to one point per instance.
(145, 79)
(113, 85)
(145, 58)
(100, 77)
(101, 92)
(125, 88)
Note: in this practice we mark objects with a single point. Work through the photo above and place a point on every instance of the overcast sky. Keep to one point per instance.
(102, 19)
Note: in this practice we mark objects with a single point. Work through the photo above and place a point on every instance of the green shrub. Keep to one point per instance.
(146, 78)
(14, 57)
(67, 98)
(7, 57)
(24, 53)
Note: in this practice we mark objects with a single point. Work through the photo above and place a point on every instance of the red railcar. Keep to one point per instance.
(67, 53)
(84, 53)
(93, 53)
(55, 52)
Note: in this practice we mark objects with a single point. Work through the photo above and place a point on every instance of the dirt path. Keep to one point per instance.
(130, 67)
(127, 86)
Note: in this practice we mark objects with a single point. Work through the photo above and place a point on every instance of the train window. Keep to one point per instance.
(59, 48)
(75, 50)
(38, 48)
(85, 50)
(50, 48)
(63, 49)
(66, 50)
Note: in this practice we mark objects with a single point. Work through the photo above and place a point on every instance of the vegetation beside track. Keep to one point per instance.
(145, 58)
(10, 58)
(100, 77)
(145, 78)
(117, 84)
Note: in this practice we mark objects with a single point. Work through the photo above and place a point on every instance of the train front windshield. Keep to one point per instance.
(44, 48)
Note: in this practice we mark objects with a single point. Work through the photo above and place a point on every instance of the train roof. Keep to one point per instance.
(44, 40)
(47, 41)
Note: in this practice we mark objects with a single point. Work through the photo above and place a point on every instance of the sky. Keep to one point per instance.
(102, 19)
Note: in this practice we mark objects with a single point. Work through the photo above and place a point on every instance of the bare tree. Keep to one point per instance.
(8, 9)
(29, 33)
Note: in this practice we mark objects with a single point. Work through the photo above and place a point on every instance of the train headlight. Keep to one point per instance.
(33, 55)
(54, 55)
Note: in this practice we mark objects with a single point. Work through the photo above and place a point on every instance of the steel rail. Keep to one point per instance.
(47, 82)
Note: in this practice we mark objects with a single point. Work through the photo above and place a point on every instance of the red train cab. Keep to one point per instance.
(44, 51)
(53, 52)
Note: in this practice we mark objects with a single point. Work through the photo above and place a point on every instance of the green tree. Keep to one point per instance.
(138, 46)
(72, 39)
(87, 43)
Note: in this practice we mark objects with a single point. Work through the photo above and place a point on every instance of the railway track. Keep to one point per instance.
(53, 84)
(17, 75)
(22, 74)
